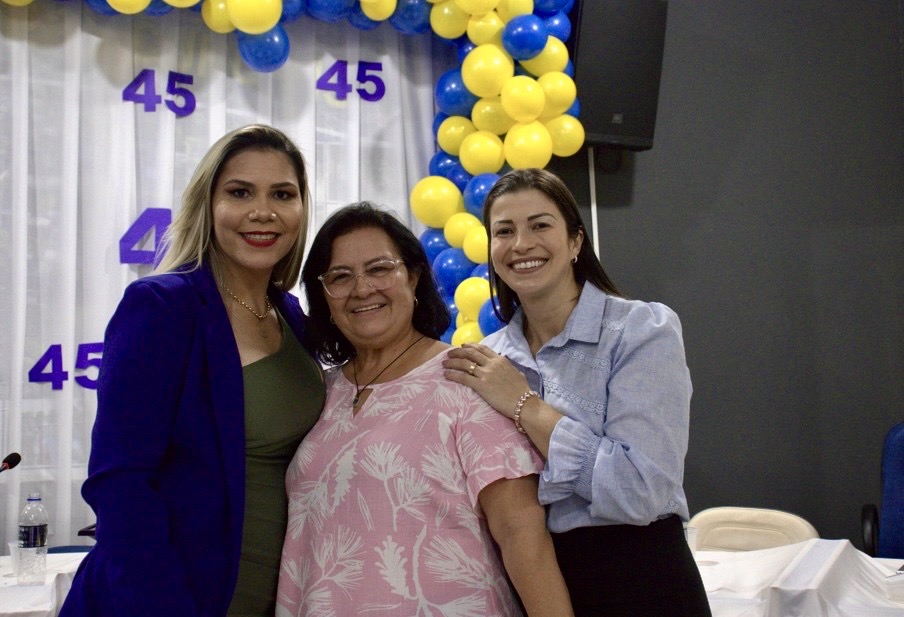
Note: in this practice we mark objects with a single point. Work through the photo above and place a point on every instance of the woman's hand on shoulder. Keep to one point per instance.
(489, 374)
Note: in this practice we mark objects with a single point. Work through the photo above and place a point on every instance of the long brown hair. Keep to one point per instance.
(587, 268)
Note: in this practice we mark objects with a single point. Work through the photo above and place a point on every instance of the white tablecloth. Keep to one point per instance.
(816, 578)
(40, 600)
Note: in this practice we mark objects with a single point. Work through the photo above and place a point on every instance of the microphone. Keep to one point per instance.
(10, 461)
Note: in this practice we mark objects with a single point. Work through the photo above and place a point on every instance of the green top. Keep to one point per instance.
(284, 394)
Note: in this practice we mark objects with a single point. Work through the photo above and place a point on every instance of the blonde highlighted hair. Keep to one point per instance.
(189, 241)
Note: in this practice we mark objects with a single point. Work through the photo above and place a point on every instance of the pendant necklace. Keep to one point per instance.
(359, 390)
(260, 316)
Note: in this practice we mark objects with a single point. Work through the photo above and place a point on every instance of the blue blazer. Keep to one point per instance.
(166, 475)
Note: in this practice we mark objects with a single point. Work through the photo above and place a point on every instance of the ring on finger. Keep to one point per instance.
(471, 369)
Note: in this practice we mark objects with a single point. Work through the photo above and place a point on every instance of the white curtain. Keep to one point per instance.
(79, 166)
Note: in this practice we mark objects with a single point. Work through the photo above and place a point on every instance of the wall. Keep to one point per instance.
(770, 215)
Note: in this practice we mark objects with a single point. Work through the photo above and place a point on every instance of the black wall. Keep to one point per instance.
(770, 215)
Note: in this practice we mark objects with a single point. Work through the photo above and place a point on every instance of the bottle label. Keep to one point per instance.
(32, 536)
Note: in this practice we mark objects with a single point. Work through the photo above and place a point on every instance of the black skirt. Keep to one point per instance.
(615, 570)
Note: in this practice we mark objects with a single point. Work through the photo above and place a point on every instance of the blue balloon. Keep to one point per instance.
(524, 36)
(452, 96)
(330, 11)
(292, 10)
(360, 20)
(569, 68)
(464, 45)
(482, 271)
(434, 242)
(451, 267)
(441, 162)
(559, 26)
(158, 7)
(264, 52)
(575, 109)
(447, 335)
(411, 17)
(545, 8)
(101, 6)
(475, 193)
(566, 8)
(487, 319)
(458, 175)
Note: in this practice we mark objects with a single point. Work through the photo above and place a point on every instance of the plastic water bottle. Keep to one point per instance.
(32, 542)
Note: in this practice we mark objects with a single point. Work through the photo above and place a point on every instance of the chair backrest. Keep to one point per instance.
(891, 512)
(748, 529)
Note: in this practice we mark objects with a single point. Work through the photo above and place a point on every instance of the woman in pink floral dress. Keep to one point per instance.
(411, 496)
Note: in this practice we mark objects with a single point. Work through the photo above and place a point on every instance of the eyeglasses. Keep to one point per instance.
(339, 283)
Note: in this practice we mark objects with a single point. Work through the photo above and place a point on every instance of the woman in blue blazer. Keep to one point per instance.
(205, 391)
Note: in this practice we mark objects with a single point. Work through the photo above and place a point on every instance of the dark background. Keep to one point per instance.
(770, 215)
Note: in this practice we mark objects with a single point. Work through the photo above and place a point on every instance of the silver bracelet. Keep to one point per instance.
(520, 406)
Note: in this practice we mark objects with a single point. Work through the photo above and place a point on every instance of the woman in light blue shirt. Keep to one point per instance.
(600, 385)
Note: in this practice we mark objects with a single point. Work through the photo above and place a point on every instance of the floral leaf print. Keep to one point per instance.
(449, 563)
(471, 606)
(319, 603)
(382, 461)
(471, 452)
(345, 472)
(411, 492)
(393, 567)
(337, 558)
(365, 512)
(436, 465)
(465, 517)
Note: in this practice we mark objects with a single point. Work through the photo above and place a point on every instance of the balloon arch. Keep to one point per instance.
(510, 103)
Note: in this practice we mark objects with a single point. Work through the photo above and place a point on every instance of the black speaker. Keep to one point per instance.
(616, 48)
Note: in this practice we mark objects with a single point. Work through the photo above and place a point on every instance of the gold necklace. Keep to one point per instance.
(358, 390)
(260, 317)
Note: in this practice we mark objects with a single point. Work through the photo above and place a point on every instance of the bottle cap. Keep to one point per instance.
(34, 497)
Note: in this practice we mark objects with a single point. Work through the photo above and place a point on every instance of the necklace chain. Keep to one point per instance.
(359, 390)
(260, 317)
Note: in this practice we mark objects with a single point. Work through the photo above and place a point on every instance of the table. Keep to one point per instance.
(816, 578)
(40, 600)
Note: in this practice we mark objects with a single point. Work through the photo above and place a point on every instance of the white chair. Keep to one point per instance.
(748, 529)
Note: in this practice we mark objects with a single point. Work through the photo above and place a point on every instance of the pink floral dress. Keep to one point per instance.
(383, 511)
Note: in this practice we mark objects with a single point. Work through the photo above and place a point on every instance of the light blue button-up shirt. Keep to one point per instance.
(618, 374)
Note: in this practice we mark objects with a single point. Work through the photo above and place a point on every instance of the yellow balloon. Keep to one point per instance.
(458, 226)
(488, 115)
(560, 92)
(182, 4)
(461, 320)
(477, 7)
(254, 16)
(477, 245)
(528, 145)
(18, 2)
(485, 69)
(448, 20)
(554, 57)
(481, 153)
(567, 134)
(506, 9)
(485, 29)
(129, 7)
(379, 10)
(451, 133)
(214, 14)
(470, 296)
(522, 98)
(434, 199)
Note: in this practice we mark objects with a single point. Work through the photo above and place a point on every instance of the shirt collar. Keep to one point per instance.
(583, 324)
